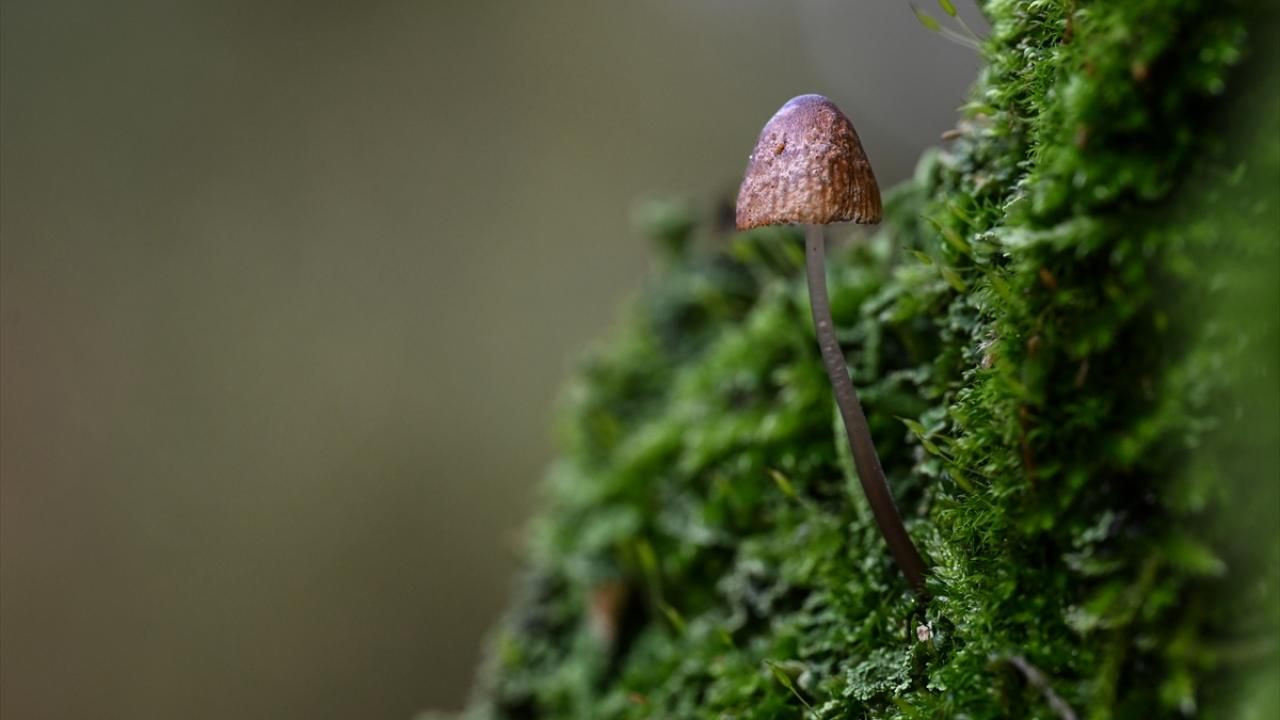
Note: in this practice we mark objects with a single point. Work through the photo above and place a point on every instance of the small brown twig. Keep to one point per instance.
(1039, 681)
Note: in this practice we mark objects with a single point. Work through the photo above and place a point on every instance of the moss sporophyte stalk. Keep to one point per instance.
(1064, 334)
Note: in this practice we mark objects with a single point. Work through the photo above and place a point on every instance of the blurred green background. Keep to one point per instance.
(288, 289)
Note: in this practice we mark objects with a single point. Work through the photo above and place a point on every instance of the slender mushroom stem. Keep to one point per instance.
(865, 459)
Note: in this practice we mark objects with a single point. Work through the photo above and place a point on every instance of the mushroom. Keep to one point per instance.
(808, 168)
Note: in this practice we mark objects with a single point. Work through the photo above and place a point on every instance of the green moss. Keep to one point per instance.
(1065, 335)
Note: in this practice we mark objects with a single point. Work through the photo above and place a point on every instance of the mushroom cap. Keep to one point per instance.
(808, 168)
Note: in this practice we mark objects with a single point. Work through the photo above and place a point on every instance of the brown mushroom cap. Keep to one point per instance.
(808, 168)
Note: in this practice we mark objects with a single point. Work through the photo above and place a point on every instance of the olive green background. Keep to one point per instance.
(288, 289)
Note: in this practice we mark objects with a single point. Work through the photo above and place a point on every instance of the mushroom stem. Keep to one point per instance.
(870, 474)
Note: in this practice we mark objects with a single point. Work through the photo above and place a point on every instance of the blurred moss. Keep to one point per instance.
(1065, 334)
(668, 222)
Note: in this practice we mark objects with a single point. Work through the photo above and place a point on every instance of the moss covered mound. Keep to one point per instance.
(1065, 336)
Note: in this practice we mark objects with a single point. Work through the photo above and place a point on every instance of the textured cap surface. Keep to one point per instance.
(808, 168)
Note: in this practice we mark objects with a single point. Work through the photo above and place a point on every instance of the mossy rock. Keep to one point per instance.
(1065, 334)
